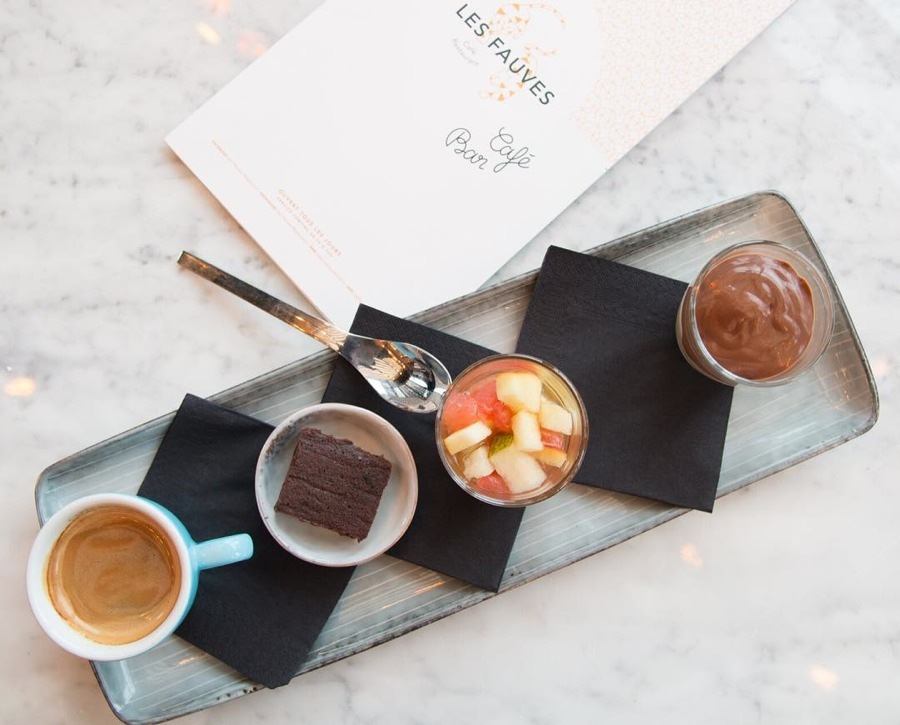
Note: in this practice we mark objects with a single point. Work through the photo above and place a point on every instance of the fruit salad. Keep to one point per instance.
(507, 432)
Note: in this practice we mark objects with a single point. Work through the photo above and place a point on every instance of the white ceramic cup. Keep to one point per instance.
(192, 558)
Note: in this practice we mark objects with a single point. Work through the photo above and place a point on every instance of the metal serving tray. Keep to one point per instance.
(769, 430)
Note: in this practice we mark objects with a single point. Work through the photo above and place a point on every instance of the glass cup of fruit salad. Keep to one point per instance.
(512, 430)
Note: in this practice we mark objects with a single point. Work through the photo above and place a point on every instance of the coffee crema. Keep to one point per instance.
(755, 315)
(113, 574)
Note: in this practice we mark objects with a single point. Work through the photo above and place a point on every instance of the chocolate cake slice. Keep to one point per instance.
(334, 484)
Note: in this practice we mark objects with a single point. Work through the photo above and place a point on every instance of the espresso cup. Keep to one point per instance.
(191, 557)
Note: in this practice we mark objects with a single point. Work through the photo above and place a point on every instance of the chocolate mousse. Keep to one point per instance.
(755, 315)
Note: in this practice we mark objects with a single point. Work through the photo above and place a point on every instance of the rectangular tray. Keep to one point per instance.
(769, 430)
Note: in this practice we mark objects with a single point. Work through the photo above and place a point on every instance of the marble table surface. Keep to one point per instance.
(783, 606)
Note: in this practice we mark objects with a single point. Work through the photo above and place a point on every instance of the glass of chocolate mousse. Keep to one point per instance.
(758, 314)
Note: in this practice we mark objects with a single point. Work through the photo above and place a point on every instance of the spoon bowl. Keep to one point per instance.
(417, 382)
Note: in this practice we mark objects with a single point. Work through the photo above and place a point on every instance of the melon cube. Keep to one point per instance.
(466, 437)
(556, 418)
(520, 391)
(520, 470)
(552, 457)
(477, 464)
(526, 432)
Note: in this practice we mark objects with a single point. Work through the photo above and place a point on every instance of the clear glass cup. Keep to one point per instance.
(560, 389)
(697, 354)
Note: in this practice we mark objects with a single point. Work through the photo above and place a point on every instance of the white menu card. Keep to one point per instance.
(399, 152)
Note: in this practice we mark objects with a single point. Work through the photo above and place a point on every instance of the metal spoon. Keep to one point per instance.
(403, 374)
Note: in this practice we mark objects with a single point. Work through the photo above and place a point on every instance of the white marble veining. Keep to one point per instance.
(783, 606)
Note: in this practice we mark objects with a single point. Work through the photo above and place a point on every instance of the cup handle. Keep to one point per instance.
(227, 550)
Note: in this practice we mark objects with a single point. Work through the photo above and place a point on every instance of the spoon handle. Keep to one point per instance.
(322, 331)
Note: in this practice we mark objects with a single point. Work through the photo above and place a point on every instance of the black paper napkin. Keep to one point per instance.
(657, 427)
(261, 616)
(452, 532)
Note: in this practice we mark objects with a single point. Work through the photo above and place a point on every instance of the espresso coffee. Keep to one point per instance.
(113, 574)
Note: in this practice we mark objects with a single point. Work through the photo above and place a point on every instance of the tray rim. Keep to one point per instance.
(436, 312)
